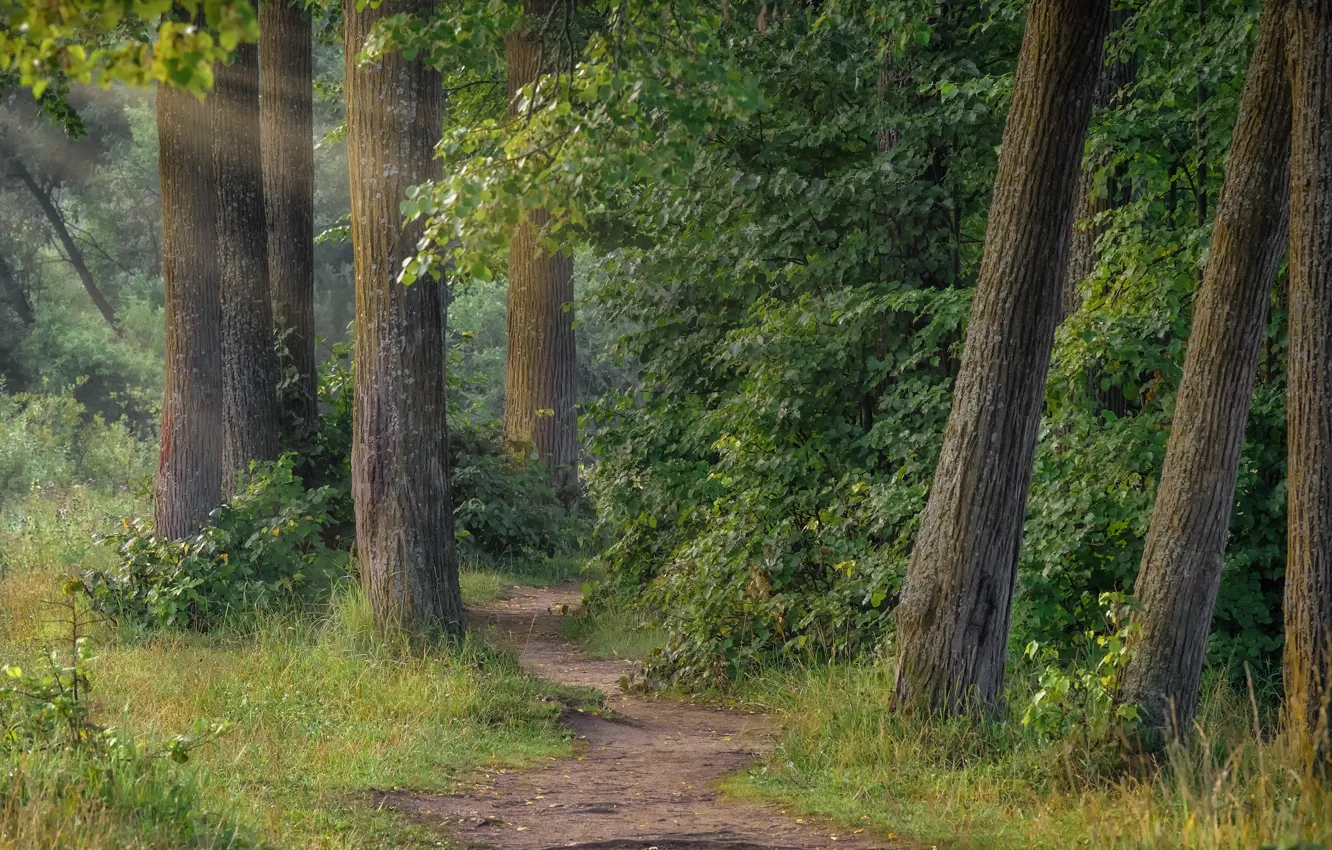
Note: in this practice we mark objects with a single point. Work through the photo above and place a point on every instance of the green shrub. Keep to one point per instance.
(48, 439)
(264, 549)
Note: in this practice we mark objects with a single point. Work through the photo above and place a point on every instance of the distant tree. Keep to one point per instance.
(953, 619)
(249, 361)
(286, 67)
(1308, 594)
(400, 465)
(1096, 197)
(189, 472)
(1181, 563)
(540, 388)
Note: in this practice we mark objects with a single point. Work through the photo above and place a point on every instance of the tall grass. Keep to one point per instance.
(321, 710)
(994, 784)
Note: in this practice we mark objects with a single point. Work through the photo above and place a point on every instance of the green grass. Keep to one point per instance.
(615, 633)
(996, 786)
(320, 711)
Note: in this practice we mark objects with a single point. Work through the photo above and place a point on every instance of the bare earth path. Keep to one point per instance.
(640, 781)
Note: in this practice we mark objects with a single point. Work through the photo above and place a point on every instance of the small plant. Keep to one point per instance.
(264, 549)
(1082, 700)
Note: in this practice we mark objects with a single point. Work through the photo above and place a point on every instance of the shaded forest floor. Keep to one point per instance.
(644, 771)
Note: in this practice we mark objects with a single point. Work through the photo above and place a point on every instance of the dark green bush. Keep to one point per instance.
(264, 549)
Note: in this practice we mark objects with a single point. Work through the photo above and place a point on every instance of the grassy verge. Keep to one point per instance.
(999, 787)
(320, 714)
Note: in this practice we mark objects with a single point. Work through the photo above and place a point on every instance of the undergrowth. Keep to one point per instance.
(320, 710)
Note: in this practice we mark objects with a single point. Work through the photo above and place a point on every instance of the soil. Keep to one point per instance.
(643, 776)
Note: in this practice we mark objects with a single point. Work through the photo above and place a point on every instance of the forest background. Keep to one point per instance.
(770, 315)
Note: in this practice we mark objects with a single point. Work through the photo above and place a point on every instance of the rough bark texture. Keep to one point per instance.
(1308, 600)
(1181, 564)
(1114, 77)
(189, 471)
(953, 620)
(249, 362)
(540, 390)
(400, 474)
(14, 294)
(72, 251)
(287, 132)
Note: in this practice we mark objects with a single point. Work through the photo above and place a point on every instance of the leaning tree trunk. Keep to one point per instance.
(18, 299)
(249, 362)
(1181, 563)
(189, 471)
(287, 130)
(400, 465)
(1308, 600)
(1114, 77)
(73, 253)
(539, 383)
(952, 623)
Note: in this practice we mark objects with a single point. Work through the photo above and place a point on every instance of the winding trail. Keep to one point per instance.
(641, 780)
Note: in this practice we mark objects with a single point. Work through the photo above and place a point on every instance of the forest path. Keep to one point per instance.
(641, 780)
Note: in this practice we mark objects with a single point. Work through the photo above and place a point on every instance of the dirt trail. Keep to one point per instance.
(641, 780)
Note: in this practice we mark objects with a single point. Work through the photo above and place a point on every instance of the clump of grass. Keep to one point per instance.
(995, 784)
(615, 633)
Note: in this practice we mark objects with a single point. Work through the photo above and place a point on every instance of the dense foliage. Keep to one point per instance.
(787, 205)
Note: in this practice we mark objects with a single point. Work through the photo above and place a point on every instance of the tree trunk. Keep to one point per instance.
(287, 131)
(1181, 563)
(72, 251)
(952, 623)
(1308, 599)
(249, 361)
(15, 295)
(1112, 80)
(400, 465)
(189, 472)
(540, 393)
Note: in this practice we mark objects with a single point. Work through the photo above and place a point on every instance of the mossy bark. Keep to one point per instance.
(400, 465)
(953, 619)
(286, 117)
(540, 382)
(188, 484)
(249, 361)
(1181, 563)
(1308, 598)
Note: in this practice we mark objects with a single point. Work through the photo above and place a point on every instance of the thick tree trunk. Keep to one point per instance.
(540, 392)
(1308, 600)
(72, 251)
(952, 623)
(15, 295)
(1113, 79)
(287, 130)
(249, 361)
(400, 471)
(1181, 564)
(189, 471)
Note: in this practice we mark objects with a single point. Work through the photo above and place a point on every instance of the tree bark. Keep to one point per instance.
(72, 251)
(1112, 80)
(1181, 563)
(540, 392)
(287, 131)
(1308, 594)
(15, 295)
(189, 472)
(953, 620)
(400, 472)
(249, 361)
